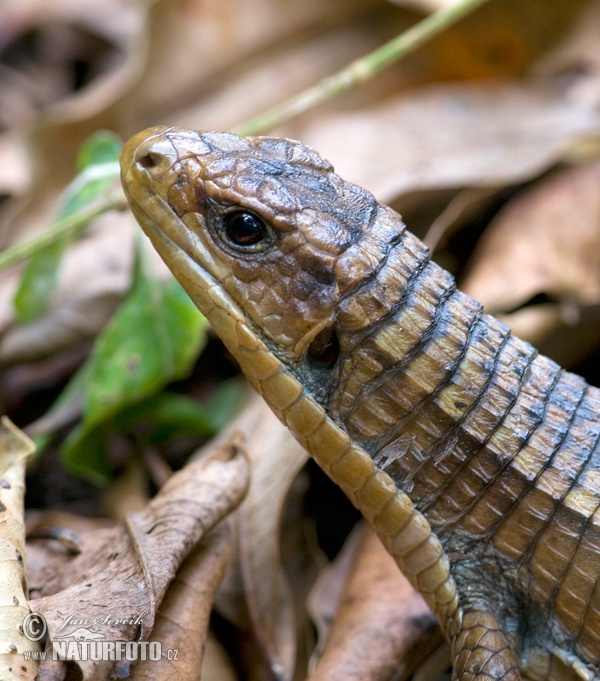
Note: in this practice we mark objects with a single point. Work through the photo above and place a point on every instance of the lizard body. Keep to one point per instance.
(475, 458)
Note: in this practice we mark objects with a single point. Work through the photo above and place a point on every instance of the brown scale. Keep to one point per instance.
(475, 459)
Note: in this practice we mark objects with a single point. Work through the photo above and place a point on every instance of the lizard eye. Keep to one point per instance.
(245, 231)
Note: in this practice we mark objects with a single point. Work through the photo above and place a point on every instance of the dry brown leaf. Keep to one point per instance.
(276, 458)
(103, 35)
(287, 68)
(111, 587)
(451, 136)
(380, 619)
(217, 665)
(182, 619)
(15, 448)
(574, 63)
(546, 242)
(256, 595)
(191, 502)
(324, 598)
(64, 528)
(42, 43)
(198, 40)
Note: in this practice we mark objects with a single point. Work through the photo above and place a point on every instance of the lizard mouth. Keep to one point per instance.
(185, 255)
(173, 240)
(152, 168)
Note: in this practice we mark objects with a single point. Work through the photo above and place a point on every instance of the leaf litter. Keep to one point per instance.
(15, 448)
(128, 568)
(490, 131)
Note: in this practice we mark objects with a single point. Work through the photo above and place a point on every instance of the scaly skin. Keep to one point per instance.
(474, 458)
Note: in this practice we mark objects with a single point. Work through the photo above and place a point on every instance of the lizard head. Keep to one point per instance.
(252, 227)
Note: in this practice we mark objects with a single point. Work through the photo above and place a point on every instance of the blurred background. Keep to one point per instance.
(486, 139)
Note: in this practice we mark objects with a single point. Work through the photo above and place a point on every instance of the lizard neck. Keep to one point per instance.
(428, 383)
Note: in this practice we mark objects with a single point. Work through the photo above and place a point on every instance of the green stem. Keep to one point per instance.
(355, 73)
(359, 70)
(69, 226)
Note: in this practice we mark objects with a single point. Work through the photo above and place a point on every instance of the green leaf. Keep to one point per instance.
(94, 466)
(38, 282)
(102, 147)
(171, 415)
(152, 340)
(88, 186)
(98, 162)
(70, 400)
(223, 403)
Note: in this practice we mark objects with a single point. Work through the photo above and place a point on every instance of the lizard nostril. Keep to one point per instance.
(150, 160)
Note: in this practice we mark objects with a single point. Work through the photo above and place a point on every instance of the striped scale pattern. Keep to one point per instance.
(496, 445)
(474, 458)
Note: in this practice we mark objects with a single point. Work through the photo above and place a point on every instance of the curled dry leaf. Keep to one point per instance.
(111, 583)
(451, 136)
(15, 448)
(191, 502)
(42, 45)
(545, 245)
(68, 531)
(62, 65)
(276, 458)
(574, 63)
(201, 39)
(257, 594)
(182, 619)
(379, 620)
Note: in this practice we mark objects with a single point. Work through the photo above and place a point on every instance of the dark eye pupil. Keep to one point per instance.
(245, 229)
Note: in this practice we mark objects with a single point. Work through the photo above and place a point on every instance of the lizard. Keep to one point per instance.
(475, 458)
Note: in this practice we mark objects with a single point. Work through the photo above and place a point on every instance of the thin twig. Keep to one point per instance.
(69, 226)
(355, 73)
(360, 70)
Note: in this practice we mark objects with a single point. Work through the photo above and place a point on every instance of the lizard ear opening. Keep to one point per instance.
(323, 352)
